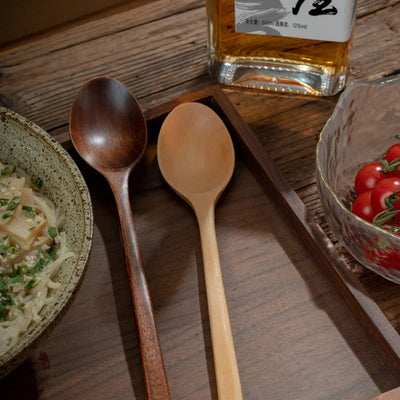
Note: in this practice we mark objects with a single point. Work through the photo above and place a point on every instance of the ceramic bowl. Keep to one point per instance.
(24, 144)
(362, 126)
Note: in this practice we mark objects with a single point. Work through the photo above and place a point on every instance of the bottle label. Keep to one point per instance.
(330, 20)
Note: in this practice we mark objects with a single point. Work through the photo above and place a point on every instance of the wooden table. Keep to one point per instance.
(295, 336)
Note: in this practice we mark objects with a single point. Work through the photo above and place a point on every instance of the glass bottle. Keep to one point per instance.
(296, 46)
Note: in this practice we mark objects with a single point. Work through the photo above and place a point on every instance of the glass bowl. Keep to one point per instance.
(361, 128)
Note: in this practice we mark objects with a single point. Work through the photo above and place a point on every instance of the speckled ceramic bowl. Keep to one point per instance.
(363, 125)
(24, 144)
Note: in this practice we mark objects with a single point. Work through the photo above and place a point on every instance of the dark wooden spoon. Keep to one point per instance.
(109, 131)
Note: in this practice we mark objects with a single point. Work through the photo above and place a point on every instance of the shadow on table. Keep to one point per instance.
(20, 384)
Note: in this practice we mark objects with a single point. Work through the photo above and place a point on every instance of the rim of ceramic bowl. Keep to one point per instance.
(20, 352)
(379, 83)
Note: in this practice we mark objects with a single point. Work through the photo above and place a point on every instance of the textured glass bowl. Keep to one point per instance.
(363, 125)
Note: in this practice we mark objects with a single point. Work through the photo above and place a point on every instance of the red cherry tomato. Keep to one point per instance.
(368, 176)
(386, 257)
(362, 207)
(381, 191)
(396, 207)
(392, 156)
(392, 153)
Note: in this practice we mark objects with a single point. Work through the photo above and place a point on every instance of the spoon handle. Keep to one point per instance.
(226, 369)
(152, 360)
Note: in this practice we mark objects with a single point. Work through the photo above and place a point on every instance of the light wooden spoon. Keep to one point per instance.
(109, 131)
(196, 157)
(391, 395)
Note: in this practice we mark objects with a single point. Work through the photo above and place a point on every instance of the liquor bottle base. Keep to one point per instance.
(277, 76)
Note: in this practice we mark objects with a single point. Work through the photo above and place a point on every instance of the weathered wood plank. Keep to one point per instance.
(376, 45)
(69, 61)
(20, 19)
(115, 20)
(370, 6)
(42, 88)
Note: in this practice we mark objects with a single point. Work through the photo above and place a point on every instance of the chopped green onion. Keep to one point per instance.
(45, 259)
(13, 204)
(29, 211)
(53, 232)
(5, 171)
(31, 284)
(17, 279)
(5, 244)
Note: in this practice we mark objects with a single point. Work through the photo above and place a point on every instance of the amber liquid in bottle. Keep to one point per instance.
(269, 62)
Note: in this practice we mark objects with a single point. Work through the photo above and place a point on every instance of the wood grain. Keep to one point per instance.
(28, 17)
(287, 319)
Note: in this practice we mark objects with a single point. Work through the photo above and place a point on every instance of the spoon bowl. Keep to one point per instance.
(196, 157)
(109, 131)
(192, 157)
(101, 106)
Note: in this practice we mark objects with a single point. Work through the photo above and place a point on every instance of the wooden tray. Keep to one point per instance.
(275, 185)
(294, 334)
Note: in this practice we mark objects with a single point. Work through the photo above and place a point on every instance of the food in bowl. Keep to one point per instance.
(32, 248)
(39, 157)
(362, 127)
(377, 185)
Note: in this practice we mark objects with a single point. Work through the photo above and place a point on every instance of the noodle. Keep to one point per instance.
(31, 251)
